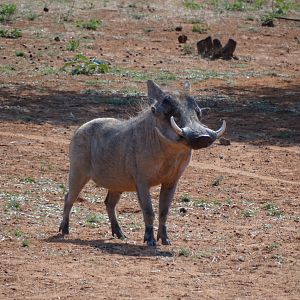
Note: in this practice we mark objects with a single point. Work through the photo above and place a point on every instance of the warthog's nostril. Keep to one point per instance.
(201, 142)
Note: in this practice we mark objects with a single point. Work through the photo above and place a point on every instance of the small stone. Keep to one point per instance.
(182, 39)
(224, 142)
(182, 210)
(178, 28)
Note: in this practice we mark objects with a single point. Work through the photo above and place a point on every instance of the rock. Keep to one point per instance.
(224, 142)
(182, 39)
(178, 28)
(268, 23)
(228, 49)
(182, 210)
(217, 49)
(204, 47)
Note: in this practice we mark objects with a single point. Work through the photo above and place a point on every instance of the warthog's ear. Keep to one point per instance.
(187, 87)
(154, 91)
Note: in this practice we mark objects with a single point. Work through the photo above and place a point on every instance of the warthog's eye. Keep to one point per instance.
(198, 112)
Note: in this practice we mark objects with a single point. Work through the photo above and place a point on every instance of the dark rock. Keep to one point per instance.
(228, 49)
(268, 23)
(204, 47)
(178, 28)
(182, 210)
(182, 39)
(217, 49)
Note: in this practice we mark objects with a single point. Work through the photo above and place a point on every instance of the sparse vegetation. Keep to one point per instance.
(93, 220)
(187, 49)
(25, 243)
(191, 4)
(184, 252)
(200, 28)
(83, 65)
(31, 16)
(6, 11)
(20, 54)
(238, 5)
(91, 24)
(11, 34)
(73, 44)
(218, 180)
(272, 247)
(273, 210)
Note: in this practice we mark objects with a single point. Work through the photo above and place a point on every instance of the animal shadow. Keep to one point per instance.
(121, 248)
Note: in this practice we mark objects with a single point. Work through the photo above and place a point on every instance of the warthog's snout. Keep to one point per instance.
(198, 142)
(198, 138)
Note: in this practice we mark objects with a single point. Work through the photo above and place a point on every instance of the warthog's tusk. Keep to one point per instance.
(220, 131)
(176, 128)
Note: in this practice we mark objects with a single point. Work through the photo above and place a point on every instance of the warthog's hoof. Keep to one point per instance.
(165, 241)
(64, 227)
(162, 234)
(149, 236)
(118, 232)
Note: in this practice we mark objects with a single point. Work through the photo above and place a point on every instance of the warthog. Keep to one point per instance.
(151, 149)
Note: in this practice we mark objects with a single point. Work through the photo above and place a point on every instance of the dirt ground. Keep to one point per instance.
(234, 223)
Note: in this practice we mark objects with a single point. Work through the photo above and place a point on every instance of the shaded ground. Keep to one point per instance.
(239, 237)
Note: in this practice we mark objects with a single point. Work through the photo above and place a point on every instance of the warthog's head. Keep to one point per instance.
(178, 119)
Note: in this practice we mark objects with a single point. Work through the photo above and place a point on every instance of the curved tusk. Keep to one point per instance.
(220, 131)
(176, 128)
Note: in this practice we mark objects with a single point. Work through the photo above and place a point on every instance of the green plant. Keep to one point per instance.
(6, 11)
(83, 65)
(20, 54)
(186, 198)
(273, 210)
(18, 233)
(73, 44)
(31, 16)
(191, 4)
(14, 204)
(147, 30)
(200, 28)
(187, 49)
(248, 213)
(184, 252)
(25, 243)
(28, 180)
(258, 4)
(238, 5)
(93, 220)
(10, 34)
(91, 24)
(218, 180)
(272, 247)
(282, 7)
(279, 258)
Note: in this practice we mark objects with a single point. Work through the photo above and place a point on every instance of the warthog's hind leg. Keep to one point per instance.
(165, 199)
(111, 201)
(76, 183)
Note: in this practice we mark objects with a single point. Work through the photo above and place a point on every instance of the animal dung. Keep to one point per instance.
(182, 39)
(213, 49)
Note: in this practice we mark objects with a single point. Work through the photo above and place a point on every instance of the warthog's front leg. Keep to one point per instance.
(146, 206)
(111, 201)
(165, 199)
